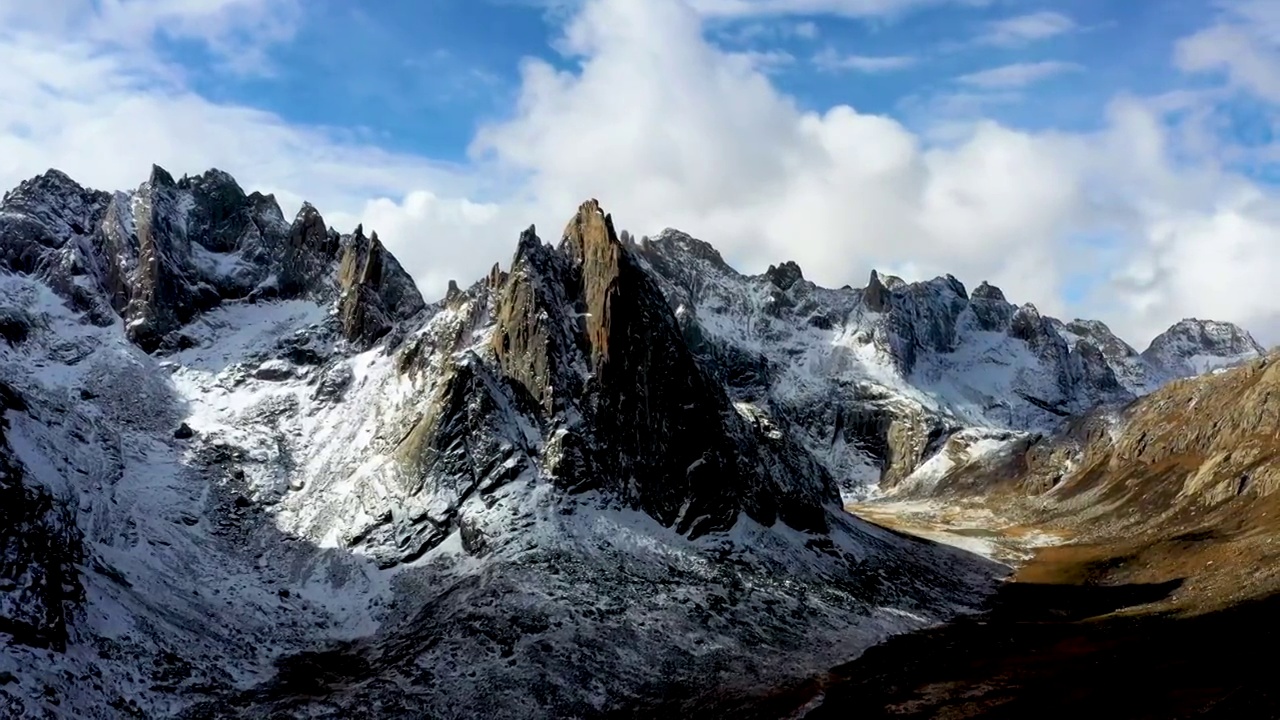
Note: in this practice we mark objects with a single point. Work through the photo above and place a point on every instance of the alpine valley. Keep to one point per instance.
(247, 470)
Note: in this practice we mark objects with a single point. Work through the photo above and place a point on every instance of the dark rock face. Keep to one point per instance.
(164, 295)
(221, 214)
(14, 326)
(40, 550)
(585, 326)
(990, 310)
(876, 296)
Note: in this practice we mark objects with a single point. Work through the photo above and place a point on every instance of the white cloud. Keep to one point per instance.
(832, 61)
(1017, 75)
(806, 30)
(666, 129)
(1025, 29)
(1244, 44)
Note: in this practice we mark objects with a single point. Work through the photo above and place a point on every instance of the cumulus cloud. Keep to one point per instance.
(701, 143)
(666, 129)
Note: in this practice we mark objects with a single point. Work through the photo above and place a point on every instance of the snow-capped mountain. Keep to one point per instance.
(245, 470)
(874, 379)
(1191, 347)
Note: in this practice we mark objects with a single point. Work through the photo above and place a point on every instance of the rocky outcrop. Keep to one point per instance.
(375, 293)
(536, 343)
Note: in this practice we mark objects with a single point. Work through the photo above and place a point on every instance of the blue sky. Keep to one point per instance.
(421, 75)
(1101, 158)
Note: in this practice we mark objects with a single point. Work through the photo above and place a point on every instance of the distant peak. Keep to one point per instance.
(784, 276)
(670, 239)
(309, 211)
(51, 180)
(212, 180)
(1206, 337)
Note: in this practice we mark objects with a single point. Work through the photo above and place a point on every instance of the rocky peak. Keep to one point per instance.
(785, 275)
(1097, 332)
(164, 294)
(160, 178)
(672, 242)
(534, 341)
(265, 208)
(990, 310)
(60, 207)
(1029, 325)
(587, 326)
(987, 291)
(876, 296)
(220, 212)
(593, 248)
(309, 250)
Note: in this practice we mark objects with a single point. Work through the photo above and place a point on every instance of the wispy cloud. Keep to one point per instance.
(1244, 45)
(767, 61)
(841, 8)
(829, 60)
(759, 31)
(1025, 29)
(1017, 75)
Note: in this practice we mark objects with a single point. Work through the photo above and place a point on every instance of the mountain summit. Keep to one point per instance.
(246, 470)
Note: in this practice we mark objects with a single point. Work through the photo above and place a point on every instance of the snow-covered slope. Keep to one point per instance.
(247, 471)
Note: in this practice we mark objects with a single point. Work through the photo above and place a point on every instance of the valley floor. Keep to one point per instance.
(1100, 630)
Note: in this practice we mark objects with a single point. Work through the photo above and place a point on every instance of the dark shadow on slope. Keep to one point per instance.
(1043, 651)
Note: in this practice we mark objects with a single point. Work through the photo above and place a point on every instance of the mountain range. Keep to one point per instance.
(247, 470)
